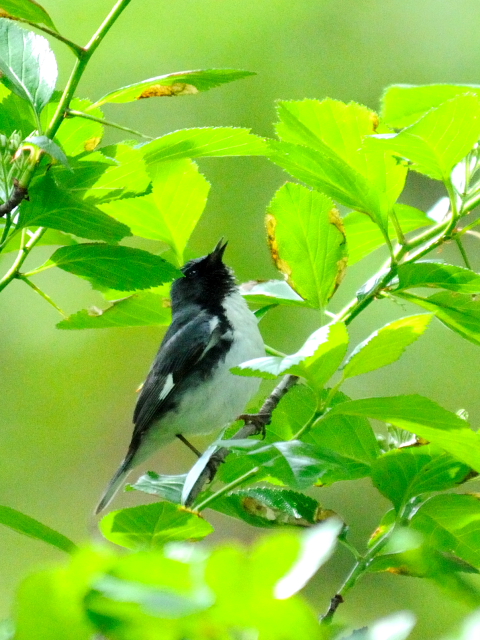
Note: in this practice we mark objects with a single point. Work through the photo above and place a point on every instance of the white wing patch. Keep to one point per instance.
(167, 387)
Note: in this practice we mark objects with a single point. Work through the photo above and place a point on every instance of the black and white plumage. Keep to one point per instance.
(190, 389)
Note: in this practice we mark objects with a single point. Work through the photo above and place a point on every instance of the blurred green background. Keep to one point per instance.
(68, 396)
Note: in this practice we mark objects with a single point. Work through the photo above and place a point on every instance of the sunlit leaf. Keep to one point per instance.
(50, 237)
(405, 473)
(206, 142)
(307, 242)
(404, 104)
(51, 148)
(458, 311)
(27, 64)
(167, 487)
(423, 417)
(153, 525)
(122, 268)
(171, 212)
(438, 275)
(440, 139)
(28, 526)
(16, 115)
(26, 10)
(271, 292)
(50, 206)
(385, 345)
(174, 84)
(139, 310)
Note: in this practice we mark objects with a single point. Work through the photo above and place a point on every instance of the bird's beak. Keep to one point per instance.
(217, 253)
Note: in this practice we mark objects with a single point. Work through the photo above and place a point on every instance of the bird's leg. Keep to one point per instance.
(189, 445)
(259, 420)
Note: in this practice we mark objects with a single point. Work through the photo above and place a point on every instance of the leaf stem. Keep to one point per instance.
(463, 253)
(76, 48)
(228, 487)
(45, 296)
(86, 116)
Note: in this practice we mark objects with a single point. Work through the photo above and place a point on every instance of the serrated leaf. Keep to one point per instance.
(16, 115)
(267, 507)
(28, 526)
(26, 10)
(458, 311)
(27, 64)
(328, 341)
(173, 209)
(438, 275)
(167, 487)
(364, 236)
(56, 208)
(422, 417)
(452, 524)
(174, 84)
(204, 142)
(385, 345)
(122, 268)
(440, 139)
(271, 292)
(409, 472)
(307, 242)
(404, 104)
(144, 309)
(153, 525)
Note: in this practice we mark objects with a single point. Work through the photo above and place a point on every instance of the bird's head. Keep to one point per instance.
(207, 280)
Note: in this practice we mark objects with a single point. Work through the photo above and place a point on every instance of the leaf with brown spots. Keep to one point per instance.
(307, 242)
(181, 83)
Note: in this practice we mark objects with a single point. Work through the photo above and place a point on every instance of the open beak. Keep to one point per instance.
(217, 253)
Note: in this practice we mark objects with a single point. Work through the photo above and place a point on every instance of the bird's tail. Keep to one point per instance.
(115, 484)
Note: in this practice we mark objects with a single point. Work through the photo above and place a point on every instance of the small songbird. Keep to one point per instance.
(190, 389)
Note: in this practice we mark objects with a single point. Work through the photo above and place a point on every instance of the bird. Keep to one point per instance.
(190, 388)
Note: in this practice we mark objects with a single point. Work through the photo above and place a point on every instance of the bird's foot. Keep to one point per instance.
(259, 420)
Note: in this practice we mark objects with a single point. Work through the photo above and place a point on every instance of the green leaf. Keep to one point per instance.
(332, 338)
(76, 135)
(115, 172)
(173, 209)
(27, 64)
(438, 275)
(16, 115)
(404, 104)
(364, 236)
(204, 142)
(51, 148)
(174, 84)
(26, 10)
(452, 524)
(56, 208)
(440, 139)
(267, 507)
(422, 417)
(167, 487)
(271, 292)
(153, 525)
(30, 527)
(459, 312)
(409, 472)
(385, 345)
(122, 268)
(144, 309)
(294, 410)
(307, 242)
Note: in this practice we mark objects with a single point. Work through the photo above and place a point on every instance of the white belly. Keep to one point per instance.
(221, 399)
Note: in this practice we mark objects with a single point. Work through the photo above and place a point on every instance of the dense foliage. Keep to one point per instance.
(59, 186)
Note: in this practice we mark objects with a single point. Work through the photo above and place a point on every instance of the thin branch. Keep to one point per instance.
(19, 194)
(76, 48)
(255, 426)
(41, 293)
(461, 248)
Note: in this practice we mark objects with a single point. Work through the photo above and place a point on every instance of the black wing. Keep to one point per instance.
(182, 348)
